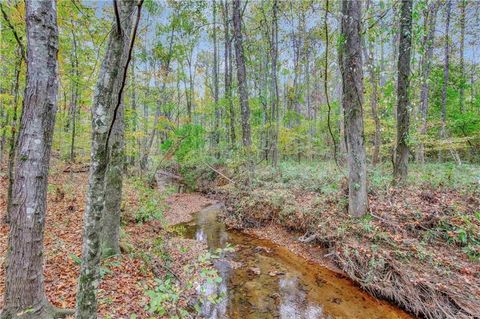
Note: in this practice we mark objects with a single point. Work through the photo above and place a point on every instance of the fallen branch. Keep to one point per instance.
(220, 173)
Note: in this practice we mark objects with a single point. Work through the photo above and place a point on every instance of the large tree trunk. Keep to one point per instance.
(430, 21)
(106, 99)
(24, 287)
(352, 100)
(400, 169)
(241, 74)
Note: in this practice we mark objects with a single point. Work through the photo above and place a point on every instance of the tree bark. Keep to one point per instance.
(430, 22)
(352, 100)
(241, 74)
(106, 98)
(24, 287)
(13, 142)
(110, 236)
(377, 139)
(400, 169)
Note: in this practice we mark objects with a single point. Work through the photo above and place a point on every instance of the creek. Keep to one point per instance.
(263, 280)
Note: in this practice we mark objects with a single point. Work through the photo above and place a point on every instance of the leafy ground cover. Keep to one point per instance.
(150, 251)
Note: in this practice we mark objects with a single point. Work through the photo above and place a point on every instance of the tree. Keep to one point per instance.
(106, 109)
(430, 18)
(446, 76)
(373, 77)
(352, 100)
(463, 7)
(241, 74)
(400, 169)
(216, 133)
(227, 67)
(24, 288)
(274, 56)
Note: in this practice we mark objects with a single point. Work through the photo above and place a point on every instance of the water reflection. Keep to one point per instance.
(294, 304)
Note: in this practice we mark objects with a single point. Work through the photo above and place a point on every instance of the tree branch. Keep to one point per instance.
(15, 34)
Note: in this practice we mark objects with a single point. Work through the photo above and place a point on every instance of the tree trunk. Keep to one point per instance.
(24, 285)
(106, 99)
(75, 92)
(274, 56)
(5, 121)
(446, 75)
(113, 189)
(228, 73)
(400, 169)
(151, 137)
(463, 6)
(368, 53)
(446, 69)
(430, 22)
(352, 100)
(241, 74)
(216, 132)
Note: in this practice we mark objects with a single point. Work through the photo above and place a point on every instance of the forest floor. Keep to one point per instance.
(150, 249)
(418, 246)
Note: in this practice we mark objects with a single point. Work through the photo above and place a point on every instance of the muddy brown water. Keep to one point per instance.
(263, 280)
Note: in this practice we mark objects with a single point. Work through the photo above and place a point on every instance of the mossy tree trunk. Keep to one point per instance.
(106, 99)
(113, 189)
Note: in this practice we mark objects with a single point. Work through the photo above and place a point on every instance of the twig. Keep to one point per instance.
(158, 263)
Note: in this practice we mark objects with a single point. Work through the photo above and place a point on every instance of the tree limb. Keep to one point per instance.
(15, 34)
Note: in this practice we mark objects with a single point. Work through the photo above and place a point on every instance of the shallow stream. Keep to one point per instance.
(262, 280)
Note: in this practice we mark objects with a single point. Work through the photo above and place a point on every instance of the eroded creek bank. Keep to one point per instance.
(264, 280)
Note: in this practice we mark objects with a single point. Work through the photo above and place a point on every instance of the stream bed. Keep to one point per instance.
(263, 280)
